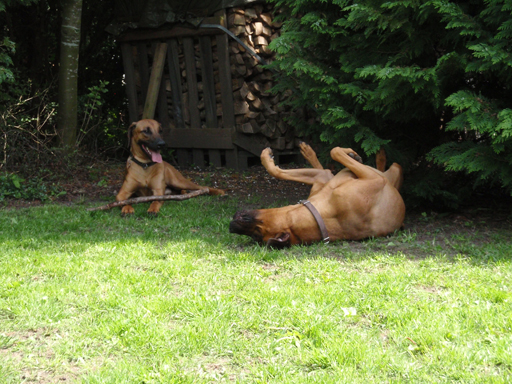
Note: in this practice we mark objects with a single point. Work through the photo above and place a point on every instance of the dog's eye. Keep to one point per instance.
(147, 130)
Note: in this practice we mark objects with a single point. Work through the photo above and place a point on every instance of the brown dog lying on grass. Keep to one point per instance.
(359, 202)
(146, 173)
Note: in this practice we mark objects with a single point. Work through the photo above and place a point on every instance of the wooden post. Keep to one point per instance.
(129, 71)
(142, 59)
(226, 87)
(155, 81)
(190, 68)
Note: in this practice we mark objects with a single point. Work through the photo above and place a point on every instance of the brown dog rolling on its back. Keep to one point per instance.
(146, 173)
(359, 202)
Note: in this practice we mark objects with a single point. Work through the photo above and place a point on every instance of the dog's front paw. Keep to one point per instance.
(310, 155)
(306, 150)
(154, 208)
(127, 210)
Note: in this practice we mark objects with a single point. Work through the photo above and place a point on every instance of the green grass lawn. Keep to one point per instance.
(97, 298)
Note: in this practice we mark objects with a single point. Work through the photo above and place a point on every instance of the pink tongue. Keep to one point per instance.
(156, 157)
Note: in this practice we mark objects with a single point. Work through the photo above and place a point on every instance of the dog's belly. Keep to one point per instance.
(359, 209)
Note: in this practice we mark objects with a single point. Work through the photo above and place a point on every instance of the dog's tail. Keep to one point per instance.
(394, 174)
(380, 159)
(215, 191)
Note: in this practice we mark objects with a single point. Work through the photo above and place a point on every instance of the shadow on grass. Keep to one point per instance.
(446, 237)
(203, 222)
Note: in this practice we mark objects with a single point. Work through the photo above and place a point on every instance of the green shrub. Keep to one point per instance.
(14, 187)
(430, 81)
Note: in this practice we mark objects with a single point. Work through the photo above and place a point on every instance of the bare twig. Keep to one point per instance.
(4, 151)
(25, 130)
(146, 199)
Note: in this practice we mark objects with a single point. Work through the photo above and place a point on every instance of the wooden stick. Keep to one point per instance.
(145, 199)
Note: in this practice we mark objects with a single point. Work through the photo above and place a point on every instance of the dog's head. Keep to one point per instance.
(145, 139)
(264, 231)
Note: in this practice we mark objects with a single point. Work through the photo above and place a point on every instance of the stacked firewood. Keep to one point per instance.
(258, 112)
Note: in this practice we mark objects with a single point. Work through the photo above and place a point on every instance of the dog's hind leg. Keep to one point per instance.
(350, 159)
(176, 180)
(308, 176)
(395, 176)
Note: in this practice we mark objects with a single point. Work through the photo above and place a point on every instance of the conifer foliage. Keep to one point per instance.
(428, 80)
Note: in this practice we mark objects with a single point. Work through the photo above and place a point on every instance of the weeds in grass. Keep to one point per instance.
(13, 186)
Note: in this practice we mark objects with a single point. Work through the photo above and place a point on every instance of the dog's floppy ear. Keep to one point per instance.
(280, 241)
(130, 133)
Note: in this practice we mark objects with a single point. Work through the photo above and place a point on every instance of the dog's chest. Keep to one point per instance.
(149, 181)
(153, 178)
(145, 178)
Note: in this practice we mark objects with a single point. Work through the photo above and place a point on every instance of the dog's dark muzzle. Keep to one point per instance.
(234, 227)
(243, 223)
(155, 145)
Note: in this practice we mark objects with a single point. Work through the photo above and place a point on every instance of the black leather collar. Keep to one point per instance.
(141, 164)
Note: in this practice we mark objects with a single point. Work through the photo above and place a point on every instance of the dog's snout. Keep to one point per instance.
(238, 215)
(233, 227)
(240, 224)
(244, 216)
(160, 144)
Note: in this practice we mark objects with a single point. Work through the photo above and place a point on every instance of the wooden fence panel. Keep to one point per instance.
(226, 87)
(175, 80)
(162, 107)
(190, 70)
(142, 59)
(210, 103)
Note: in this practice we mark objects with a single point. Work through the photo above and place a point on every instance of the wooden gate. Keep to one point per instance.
(173, 75)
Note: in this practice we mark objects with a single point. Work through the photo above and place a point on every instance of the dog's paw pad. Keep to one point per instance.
(356, 157)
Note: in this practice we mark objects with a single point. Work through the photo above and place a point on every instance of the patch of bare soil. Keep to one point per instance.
(101, 181)
(39, 342)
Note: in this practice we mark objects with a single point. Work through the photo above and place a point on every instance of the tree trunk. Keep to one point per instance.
(68, 72)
